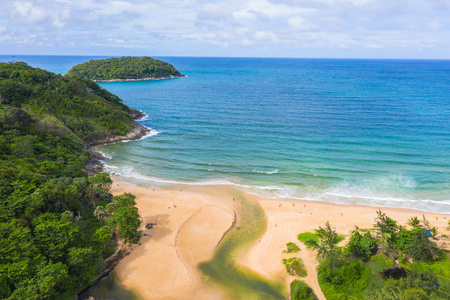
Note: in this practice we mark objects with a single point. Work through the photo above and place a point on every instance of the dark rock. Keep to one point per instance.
(137, 114)
(137, 133)
(108, 196)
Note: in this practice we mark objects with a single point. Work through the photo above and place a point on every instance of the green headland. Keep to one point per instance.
(57, 224)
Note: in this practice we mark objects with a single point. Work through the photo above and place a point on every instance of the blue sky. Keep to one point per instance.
(261, 28)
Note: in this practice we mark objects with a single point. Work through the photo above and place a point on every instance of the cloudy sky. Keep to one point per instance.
(263, 28)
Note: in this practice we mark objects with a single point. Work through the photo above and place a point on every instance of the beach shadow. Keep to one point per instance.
(160, 230)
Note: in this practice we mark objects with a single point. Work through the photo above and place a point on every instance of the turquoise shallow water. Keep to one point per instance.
(348, 131)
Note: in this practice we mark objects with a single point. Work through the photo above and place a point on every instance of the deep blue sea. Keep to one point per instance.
(374, 132)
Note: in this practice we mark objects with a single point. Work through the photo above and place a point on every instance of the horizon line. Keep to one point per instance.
(247, 57)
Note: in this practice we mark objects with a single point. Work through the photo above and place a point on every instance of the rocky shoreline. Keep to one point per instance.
(95, 165)
(141, 79)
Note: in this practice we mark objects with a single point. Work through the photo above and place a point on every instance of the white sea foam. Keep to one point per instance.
(105, 155)
(149, 134)
(145, 117)
(273, 172)
(266, 172)
(152, 132)
(270, 187)
(344, 193)
(131, 173)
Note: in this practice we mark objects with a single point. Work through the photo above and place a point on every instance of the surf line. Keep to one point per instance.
(238, 281)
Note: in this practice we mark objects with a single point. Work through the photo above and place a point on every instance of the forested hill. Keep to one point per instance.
(65, 102)
(57, 225)
(125, 68)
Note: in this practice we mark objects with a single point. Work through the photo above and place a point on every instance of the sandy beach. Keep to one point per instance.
(191, 221)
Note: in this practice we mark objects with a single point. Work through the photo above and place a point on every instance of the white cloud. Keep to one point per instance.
(265, 35)
(31, 13)
(240, 27)
(435, 25)
(300, 24)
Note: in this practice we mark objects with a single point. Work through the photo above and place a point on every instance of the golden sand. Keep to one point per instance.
(190, 222)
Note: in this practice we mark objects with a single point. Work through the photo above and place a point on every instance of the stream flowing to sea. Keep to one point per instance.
(241, 282)
(371, 132)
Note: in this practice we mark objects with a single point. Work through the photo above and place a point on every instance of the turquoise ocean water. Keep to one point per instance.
(374, 132)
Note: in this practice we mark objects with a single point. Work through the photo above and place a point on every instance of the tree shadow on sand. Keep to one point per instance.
(159, 230)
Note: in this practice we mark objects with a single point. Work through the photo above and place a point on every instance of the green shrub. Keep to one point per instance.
(301, 291)
(375, 279)
(295, 266)
(440, 267)
(291, 248)
(306, 236)
(382, 258)
(347, 281)
(416, 285)
(361, 246)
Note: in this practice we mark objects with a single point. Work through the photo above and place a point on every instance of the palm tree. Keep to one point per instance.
(100, 213)
(414, 222)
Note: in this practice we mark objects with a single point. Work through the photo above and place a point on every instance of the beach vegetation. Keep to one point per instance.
(347, 279)
(295, 266)
(301, 291)
(394, 263)
(361, 246)
(127, 67)
(291, 248)
(387, 228)
(414, 222)
(53, 239)
(327, 249)
(308, 236)
(415, 285)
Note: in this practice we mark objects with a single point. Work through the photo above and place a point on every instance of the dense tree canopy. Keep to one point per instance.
(387, 262)
(62, 104)
(51, 244)
(124, 68)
